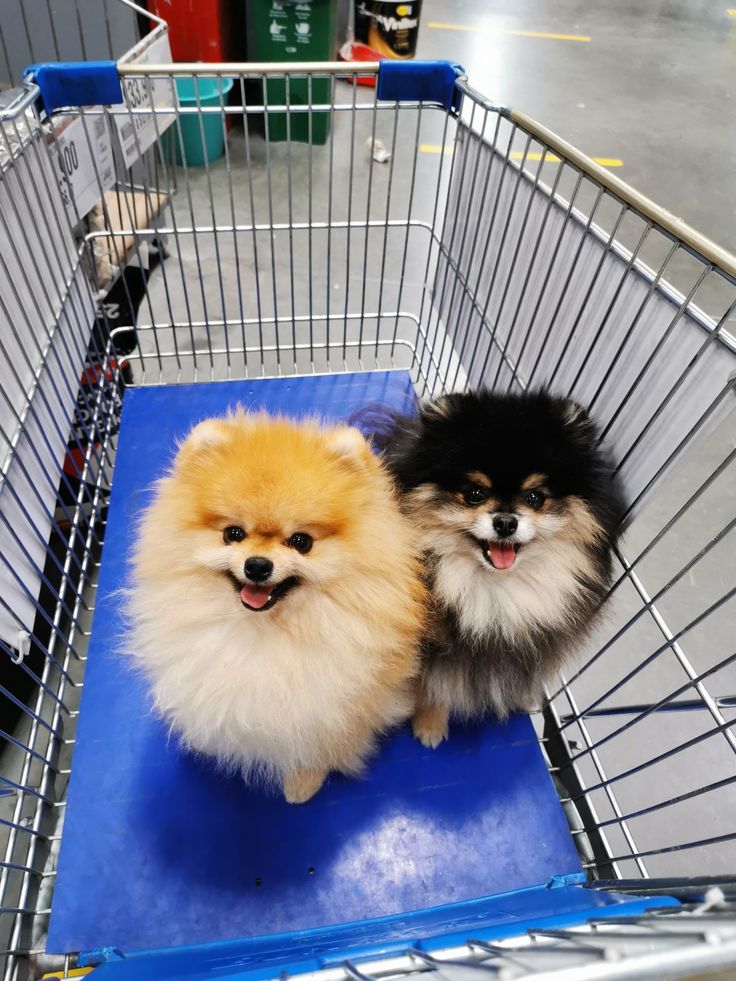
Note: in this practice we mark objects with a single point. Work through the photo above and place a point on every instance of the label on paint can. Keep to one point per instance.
(390, 28)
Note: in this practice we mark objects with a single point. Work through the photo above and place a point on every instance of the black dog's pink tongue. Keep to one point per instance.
(256, 597)
(502, 555)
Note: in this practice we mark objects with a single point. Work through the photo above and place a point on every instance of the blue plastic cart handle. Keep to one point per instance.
(77, 83)
(420, 81)
(89, 83)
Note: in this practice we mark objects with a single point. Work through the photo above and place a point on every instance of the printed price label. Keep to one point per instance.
(85, 168)
(137, 130)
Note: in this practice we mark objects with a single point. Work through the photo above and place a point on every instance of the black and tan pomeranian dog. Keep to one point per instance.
(517, 512)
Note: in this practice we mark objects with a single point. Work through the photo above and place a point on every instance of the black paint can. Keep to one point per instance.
(390, 28)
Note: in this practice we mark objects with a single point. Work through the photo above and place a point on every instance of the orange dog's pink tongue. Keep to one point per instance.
(502, 555)
(255, 597)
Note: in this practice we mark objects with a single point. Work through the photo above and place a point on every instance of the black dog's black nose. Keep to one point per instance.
(257, 568)
(505, 525)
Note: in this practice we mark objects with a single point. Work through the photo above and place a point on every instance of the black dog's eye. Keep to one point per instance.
(473, 494)
(301, 541)
(534, 499)
(233, 533)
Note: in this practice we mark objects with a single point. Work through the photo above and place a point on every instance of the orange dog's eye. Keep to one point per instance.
(301, 541)
(233, 533)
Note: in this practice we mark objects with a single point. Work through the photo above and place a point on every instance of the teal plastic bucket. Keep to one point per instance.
(202, 137)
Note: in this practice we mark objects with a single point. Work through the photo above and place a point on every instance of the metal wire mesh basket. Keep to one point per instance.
(437, 232)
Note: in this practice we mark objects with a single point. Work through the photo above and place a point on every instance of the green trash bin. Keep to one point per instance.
(294, 30)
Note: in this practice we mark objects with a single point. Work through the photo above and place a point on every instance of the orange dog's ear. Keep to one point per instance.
(207, 434)
(350, 445)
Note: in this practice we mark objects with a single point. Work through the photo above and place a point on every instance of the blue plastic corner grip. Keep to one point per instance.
(77, 83)
(100, 955)
(567, 879)
(420, 81)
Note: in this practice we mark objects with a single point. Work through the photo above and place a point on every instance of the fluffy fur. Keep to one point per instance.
(295, 676)
(508, 605)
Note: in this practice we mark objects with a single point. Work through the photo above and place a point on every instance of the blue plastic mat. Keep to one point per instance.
(160, 850)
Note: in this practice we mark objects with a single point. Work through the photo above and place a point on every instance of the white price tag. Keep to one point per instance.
(85, 168)
(137, 130)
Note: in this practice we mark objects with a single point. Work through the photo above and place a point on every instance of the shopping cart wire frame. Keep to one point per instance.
(512, 260)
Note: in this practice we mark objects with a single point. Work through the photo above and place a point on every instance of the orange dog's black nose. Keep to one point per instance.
(505, 525)
(257, 569)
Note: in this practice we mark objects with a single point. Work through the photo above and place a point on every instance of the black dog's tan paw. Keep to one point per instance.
(301, 785)
(430, 726)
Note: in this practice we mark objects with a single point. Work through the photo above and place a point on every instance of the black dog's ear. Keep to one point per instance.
(576, 418)
(441, 407)
(574, 412)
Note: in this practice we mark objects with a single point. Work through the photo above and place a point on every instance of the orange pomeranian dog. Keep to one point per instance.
(277, 601)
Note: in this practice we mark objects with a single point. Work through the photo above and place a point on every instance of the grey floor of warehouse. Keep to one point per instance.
(654, 85)
(647, 89)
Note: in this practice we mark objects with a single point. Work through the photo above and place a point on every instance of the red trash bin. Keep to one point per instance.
(198, 29)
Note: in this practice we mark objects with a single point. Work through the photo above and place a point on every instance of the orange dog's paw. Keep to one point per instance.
(301, 785)
(430, 726)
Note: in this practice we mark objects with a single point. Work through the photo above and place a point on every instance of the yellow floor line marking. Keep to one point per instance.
(731, 11)
(608, 161)
(519, 155)
(507, 31)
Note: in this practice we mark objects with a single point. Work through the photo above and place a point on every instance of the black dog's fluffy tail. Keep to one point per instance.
(378, 423)
(393, 436)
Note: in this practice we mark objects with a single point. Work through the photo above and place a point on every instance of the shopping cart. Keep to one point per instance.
(484, 250)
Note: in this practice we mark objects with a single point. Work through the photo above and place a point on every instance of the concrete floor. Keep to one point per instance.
(654, 86)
